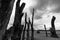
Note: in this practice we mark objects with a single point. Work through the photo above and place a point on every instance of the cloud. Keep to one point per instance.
(42, 4)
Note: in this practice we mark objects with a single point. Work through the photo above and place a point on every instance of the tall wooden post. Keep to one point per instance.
(18, 13)
(28, 29)
(52, 22)
(32, 25)
(23, 37)
(45, 30)
(17, 21)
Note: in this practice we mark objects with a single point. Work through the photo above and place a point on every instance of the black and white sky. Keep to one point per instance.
(44, 10)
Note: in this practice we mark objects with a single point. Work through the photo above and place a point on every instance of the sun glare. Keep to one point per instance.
(28, 3)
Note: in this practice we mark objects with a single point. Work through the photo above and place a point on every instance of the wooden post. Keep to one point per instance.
(23, 37)
(32, 25)
(45, 30)
(17, 21)
(28, 29)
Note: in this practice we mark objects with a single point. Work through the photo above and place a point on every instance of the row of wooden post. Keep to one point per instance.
(28, 25)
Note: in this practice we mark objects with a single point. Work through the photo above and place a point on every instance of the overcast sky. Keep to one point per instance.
(44, 10)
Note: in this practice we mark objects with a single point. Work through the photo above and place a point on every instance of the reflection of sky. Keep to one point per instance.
(44, 10)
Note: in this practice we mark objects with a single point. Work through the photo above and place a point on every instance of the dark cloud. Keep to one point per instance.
(57, 3)
(57, 10)
(41, 4)
(44, 3)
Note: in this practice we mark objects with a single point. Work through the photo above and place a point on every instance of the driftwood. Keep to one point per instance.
(52, 29)
(17, 21)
